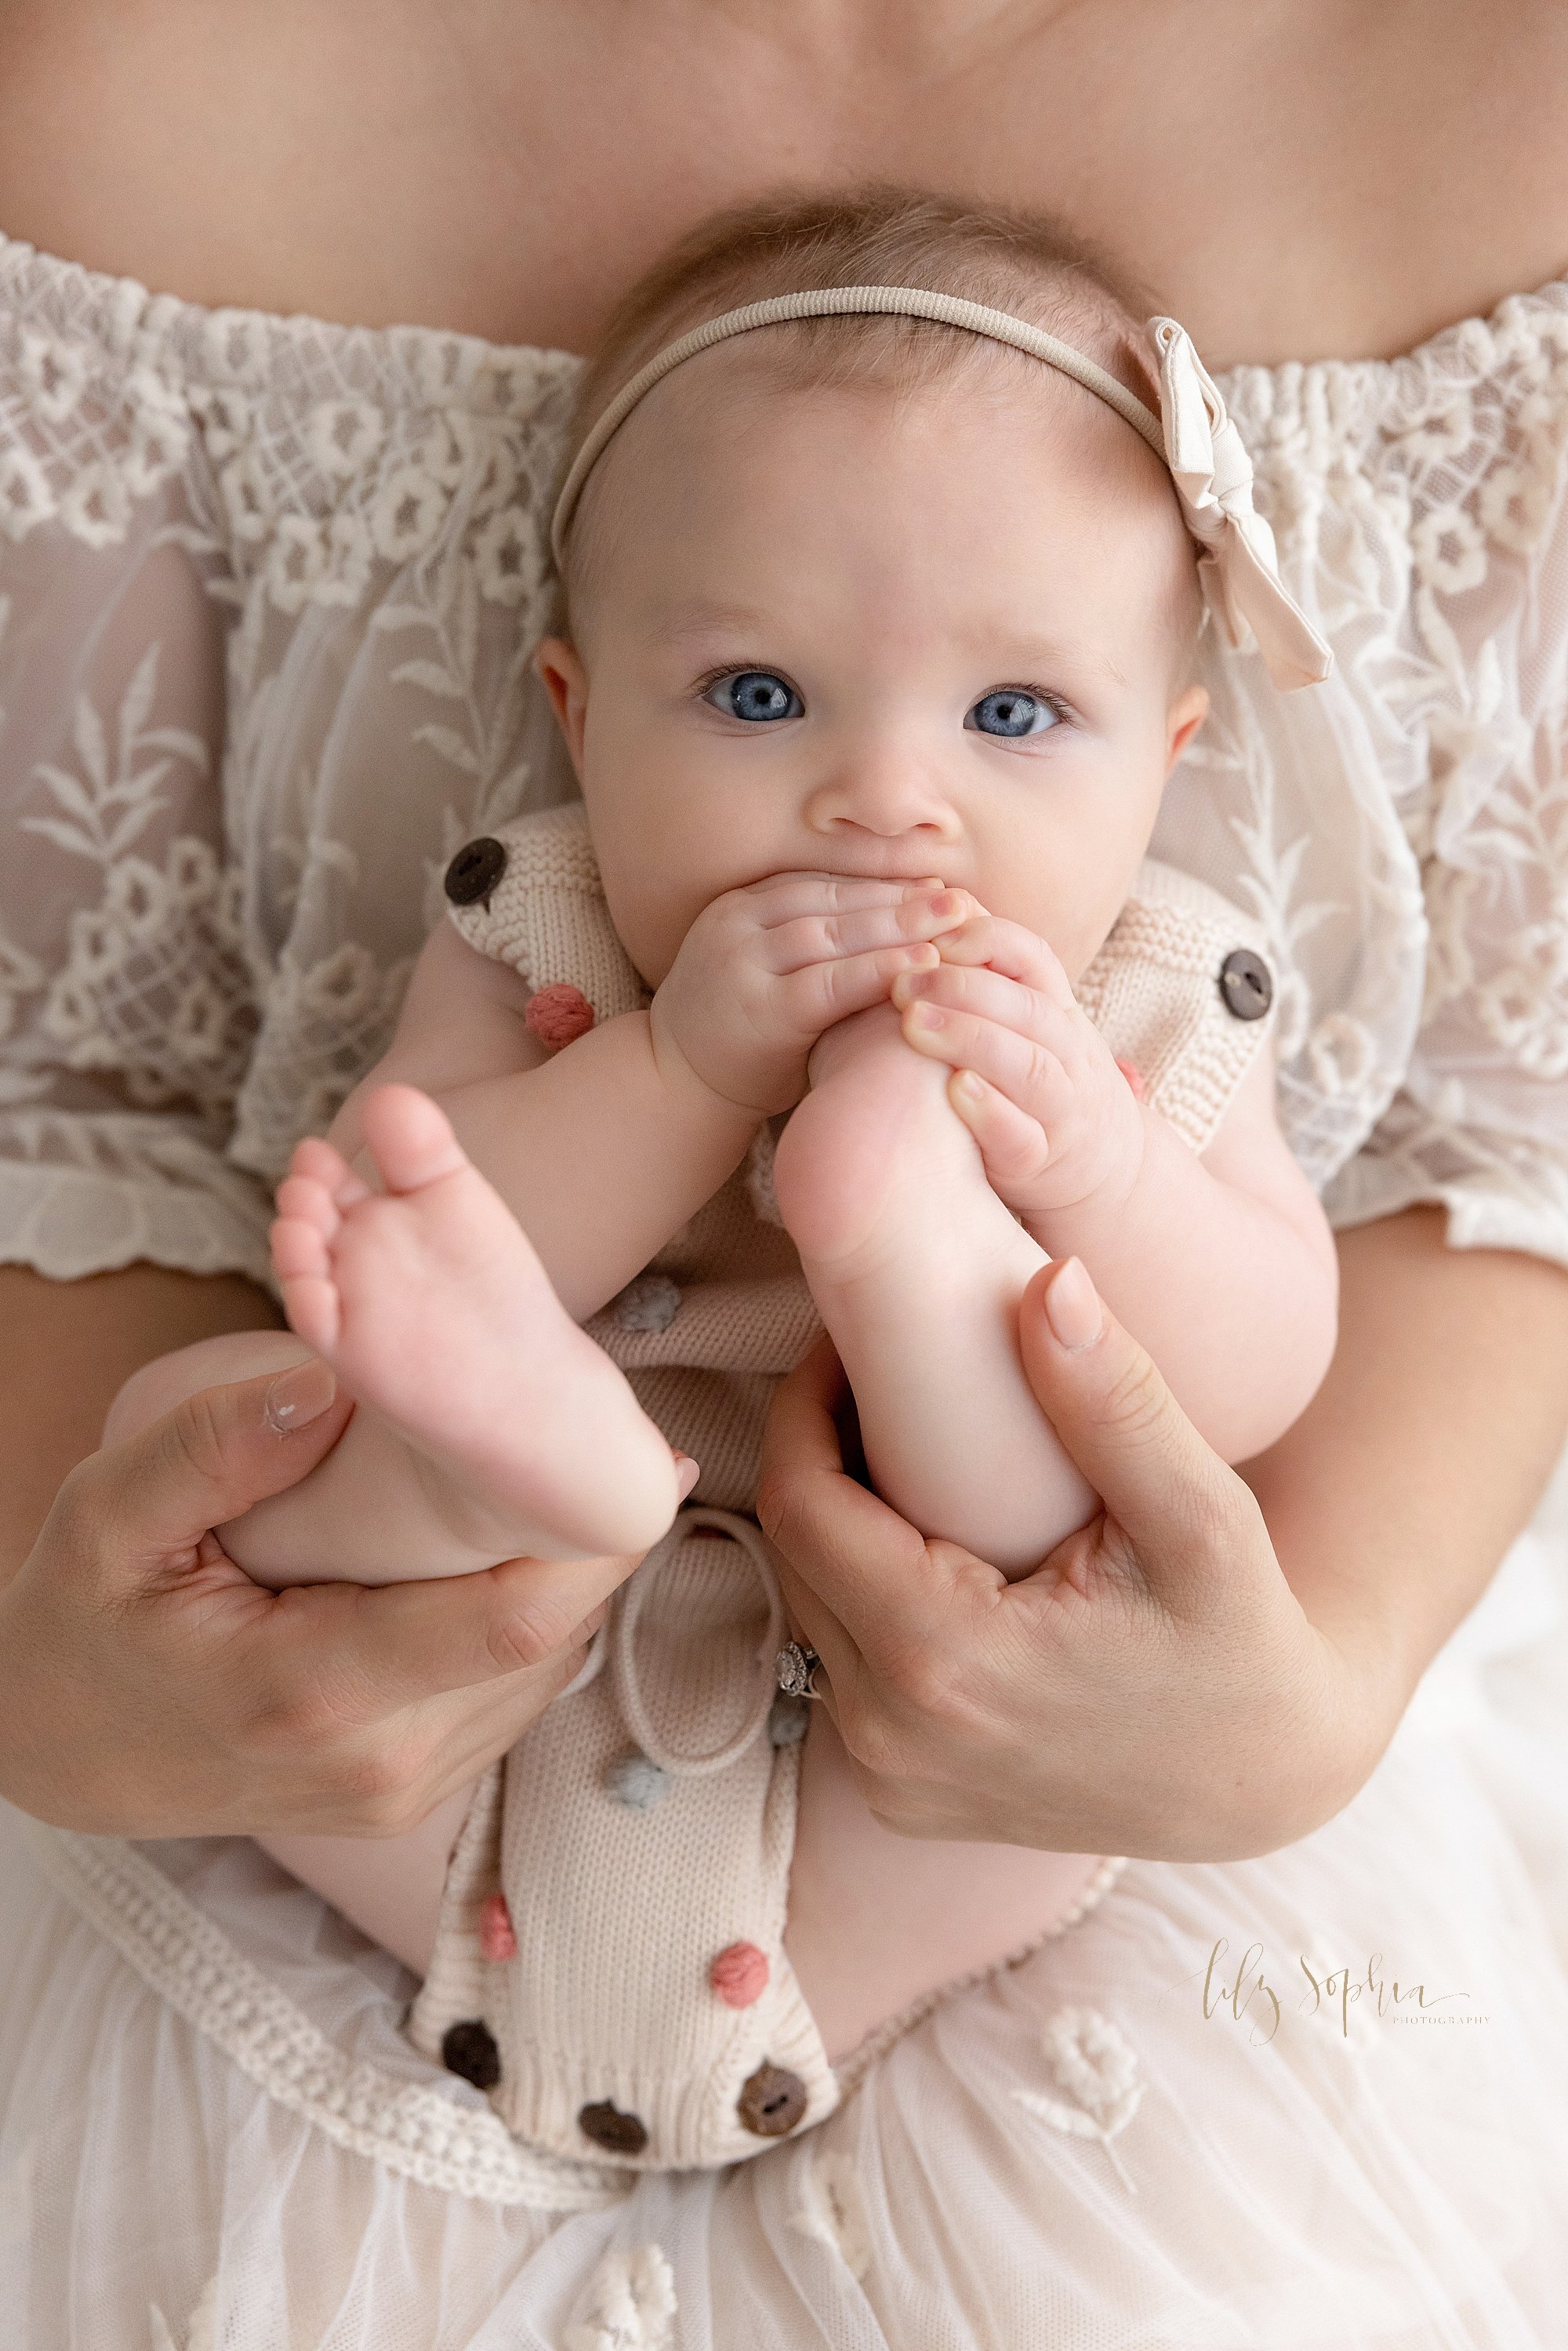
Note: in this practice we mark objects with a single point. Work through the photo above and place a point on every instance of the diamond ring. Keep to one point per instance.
(793, 1668)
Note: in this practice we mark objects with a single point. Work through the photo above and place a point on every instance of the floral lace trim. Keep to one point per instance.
(418, 2133)
(263, 351)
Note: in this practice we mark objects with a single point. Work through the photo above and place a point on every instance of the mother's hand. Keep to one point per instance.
(149, 1689)
(1153, 1689)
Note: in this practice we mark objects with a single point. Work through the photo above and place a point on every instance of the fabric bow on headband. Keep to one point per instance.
(1213, 474)
(1191, 434)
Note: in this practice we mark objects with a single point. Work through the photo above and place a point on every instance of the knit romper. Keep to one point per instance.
(610, 1964)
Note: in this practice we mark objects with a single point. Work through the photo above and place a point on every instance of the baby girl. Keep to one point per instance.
(847, 996)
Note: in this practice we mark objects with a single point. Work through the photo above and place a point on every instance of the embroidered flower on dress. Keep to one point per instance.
(1515, 502)
(225, 418)
(25, 497)
(343, 435)
(1448, 546)
(409, 510)
(630, 2304)
(508, 554)
(55, 373)
(1095, 2071)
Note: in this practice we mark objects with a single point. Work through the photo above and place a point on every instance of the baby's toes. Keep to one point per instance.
(411, 1138)
(299, 1249)
(302, 1200)
(317, 1162)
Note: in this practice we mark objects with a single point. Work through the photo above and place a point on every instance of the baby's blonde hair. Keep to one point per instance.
(1026, 263)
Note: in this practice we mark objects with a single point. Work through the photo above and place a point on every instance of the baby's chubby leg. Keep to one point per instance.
(917, 1268)
(876, 1920)
(488, 1428)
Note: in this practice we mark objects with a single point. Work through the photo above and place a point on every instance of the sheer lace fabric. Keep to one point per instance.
(1072, 2153)
(267, 593)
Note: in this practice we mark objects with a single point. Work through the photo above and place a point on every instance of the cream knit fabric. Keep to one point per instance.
(643, 1829)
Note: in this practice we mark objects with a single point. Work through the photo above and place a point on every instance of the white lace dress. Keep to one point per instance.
(267, 590)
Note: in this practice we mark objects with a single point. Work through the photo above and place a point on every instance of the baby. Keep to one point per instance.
(847, 996)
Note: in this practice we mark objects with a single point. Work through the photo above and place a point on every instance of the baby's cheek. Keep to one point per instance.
(651, 913)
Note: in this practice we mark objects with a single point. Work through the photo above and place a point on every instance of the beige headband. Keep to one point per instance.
(1191, 434)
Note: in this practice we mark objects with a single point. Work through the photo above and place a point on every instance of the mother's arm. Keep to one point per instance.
(1190, 1678)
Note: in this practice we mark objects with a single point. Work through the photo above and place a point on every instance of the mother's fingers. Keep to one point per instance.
(205, 1462)
(376, 1650)
(1190, 1521)
(844, 1550)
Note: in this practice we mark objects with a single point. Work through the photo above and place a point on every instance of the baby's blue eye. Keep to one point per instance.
(755, 694)
(1011, 711)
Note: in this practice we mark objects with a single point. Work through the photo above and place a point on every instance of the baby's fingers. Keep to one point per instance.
(1017, 1066)
(1012, 1145)
(823, 994)
(1010, 948)
(820, 937)
(784, 897)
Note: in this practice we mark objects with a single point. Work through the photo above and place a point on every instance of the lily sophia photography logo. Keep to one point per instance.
(1316, 1990)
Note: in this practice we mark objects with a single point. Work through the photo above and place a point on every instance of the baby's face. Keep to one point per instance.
(834, 631)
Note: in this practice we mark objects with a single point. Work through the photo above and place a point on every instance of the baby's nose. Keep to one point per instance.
(890, 796)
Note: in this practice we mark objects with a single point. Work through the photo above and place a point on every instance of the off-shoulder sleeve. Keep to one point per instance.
(126, 1005)
(1479, 1121)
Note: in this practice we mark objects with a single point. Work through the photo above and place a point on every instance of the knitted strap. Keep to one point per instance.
(622, 1647)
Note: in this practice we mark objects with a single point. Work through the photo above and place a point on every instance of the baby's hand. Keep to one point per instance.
(1035, 1082)
(763, 971)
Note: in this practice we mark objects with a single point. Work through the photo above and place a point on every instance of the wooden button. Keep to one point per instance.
(608, 2127)
(1246, 984)
(475, 871)
(771, 2101)
(469, 2049)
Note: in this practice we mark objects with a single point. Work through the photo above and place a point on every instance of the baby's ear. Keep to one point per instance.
(560, 665)
(1185, 715)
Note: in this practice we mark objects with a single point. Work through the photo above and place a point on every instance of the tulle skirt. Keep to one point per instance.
(1314, 2101)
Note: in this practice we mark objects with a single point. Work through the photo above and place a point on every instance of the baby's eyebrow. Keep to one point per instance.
(1045, 654)
(995, 646)
(684, 620)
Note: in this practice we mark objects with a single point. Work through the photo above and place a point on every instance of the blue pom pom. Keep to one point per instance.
(651, 1302)
(636, 1782)
(788, 1720)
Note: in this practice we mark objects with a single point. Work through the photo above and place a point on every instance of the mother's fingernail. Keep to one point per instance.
(1072, 1306)
(687, 1472)
(299, 1395)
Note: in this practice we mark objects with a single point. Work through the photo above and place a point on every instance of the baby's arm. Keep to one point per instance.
(1223, 1266)
(489, 1426)
(605, 1150)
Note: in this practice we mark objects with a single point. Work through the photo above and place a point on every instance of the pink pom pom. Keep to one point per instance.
(1135, 1078)
(558, 1014)
(739, 1975)
(497, 1939)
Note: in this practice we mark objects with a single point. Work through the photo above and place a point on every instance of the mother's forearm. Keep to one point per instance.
(68, 1346)
(1394, 1496)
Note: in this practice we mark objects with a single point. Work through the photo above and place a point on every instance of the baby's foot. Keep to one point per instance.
(430, 1303)
(874, 1166)
(917, 1269)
